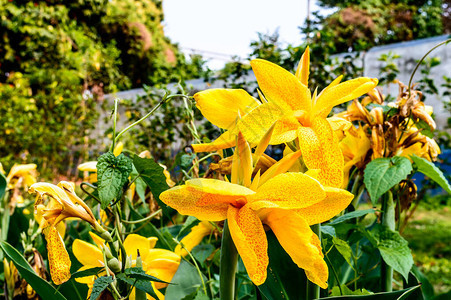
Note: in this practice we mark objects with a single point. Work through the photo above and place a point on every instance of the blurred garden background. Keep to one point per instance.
(62, 64)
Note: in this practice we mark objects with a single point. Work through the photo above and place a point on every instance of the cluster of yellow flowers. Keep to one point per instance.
(261, 194)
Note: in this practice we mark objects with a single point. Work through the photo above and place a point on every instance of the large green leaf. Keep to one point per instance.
(344, 249)
(140, 274)
(100, 284)
(42, 287)
(406, 294)
(153, 176)
(351, 215)
(112, 174)
(394, 250)
(430, 170)
(285, 280)
(143, 285)
(2, 185)
(87, 272)
(186, 281)
(382, 174)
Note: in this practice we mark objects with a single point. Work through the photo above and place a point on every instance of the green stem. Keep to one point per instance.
(139, 294)
(356, 190)
(163, 101)
(313, 289)
(335, 273)
(388, 221)
(149, 217)
(421, 60)
(114, 124)
(227, 270)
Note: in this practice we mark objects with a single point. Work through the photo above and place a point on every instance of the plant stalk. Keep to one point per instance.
(388, 221)
(227, 270)
(313, 290)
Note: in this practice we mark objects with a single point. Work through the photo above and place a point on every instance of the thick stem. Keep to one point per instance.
(388, 221)
(313, 289)
(227, 270)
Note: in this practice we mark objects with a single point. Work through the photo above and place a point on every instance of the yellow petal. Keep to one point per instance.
(133, 243)
(224, 141)
(342, 93)
(163, 269)
(157, 292)
(158, 254)
(280, 86)
(97, 239)
(152, 241)
(256, 124)
(289, 190)
(90, 166)
(335, 82)
(299, 241)
(281, 166)
(249, 237)
(223, 106)
(118, 149)
(194, 238)
(336, 201)
(303, 69)
(59, 260)
(61, 227)
(320, 150)
(87, 254)
(44, 188)
(244, 161)
(86, 279)
(20, 170)
(206, 199)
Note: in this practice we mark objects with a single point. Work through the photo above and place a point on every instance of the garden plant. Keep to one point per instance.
(230, 219)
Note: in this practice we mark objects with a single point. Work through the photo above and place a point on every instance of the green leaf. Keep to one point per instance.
(100, 284)
(87, 272)
(351, 215)
(394, 250)
(326, 229)
(189, 223)
(2, 185)
(143, 285)
(186, 281)
(112, 174)
(285, 280)
(202, 252)
(382, 174)
(406, 294)
(42, 287)
(430, 170)
(426, 287)
(153, 176)
(140, 274)
(344, 249)
(347, 291)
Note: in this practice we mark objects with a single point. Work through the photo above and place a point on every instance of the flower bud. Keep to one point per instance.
(114, 265)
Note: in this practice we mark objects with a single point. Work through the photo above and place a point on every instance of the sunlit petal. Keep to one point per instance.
(223, 106)
(249, 237)
(335, 202)
(87, 254)
(303, 68)
(224, 141)
(299, 241)
(320, 150)
(133, 243)
(280, 86)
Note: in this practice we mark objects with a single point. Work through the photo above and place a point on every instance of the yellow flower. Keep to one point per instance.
(193, 238)
(157, 262)
(288, 211)
(295, 112)
(63, 203)
(22, 175)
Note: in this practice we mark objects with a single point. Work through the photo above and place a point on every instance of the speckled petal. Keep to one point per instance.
(59, 260)
(342, 93)
(289, 190)
(280, 86)
(299, 241)
(224, 141)
(249, 237)
(223, 106)
(205, 199)
(336, 201)
(256, 124)
(320, 150)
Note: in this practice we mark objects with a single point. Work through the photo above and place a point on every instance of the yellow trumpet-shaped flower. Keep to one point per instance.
(25, 173)
(63, 203)
(287, 203)
(157, 262)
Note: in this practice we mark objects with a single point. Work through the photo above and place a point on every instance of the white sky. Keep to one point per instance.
(229, 26)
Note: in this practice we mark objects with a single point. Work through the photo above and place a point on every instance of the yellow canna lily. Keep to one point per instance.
(22, 175)
(63, 203)
(298, 114)
(157, 262)
(193, 238)
(282, 209)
